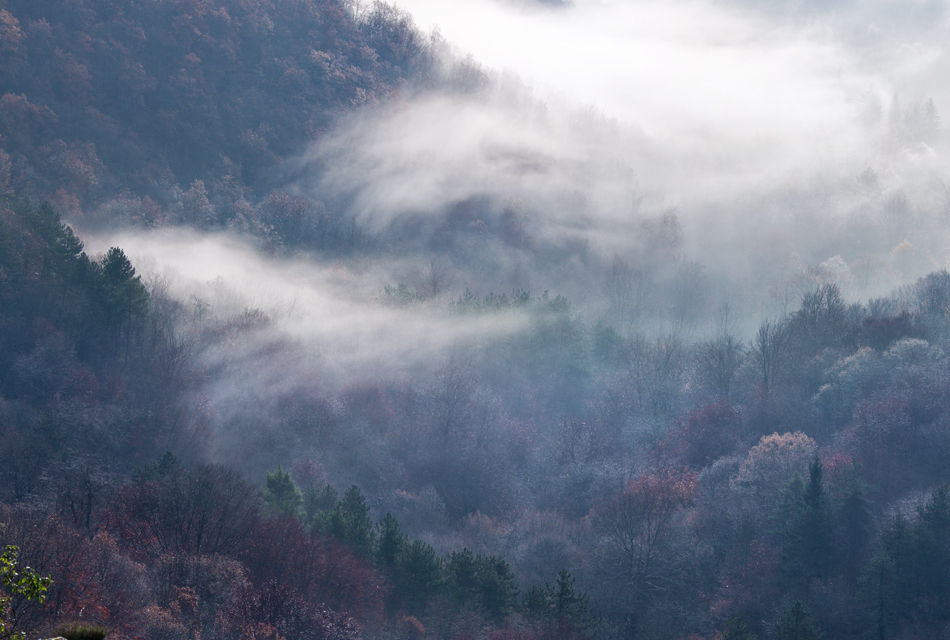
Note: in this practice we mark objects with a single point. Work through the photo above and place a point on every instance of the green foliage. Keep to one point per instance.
(568, 603)
(737, 629)
(80, 631)
(123, 296)
(468, 302)
(317, 503)
(64, 246)
(854, 520)
(398, 296)
(908, 580)
(348, 521)
(390, 542)
(281, 493)
(815, 497)
(791, 502)
(807, 545)
(559, 606)
(487, 583)
(607, 343)
(417, 574)
(100, 306)
(414, 569)
(167, 465)
(796, 623)
(461, 575)
(498, 590)
(6, 250)
(22, 583)
(535, 603)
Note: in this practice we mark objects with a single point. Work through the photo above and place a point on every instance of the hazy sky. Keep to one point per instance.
(601, 116)
(725, 96)
(753, 125)
(695, 65)
(720, 109)
(668, 67)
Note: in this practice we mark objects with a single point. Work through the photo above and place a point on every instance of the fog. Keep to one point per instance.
(656, 293)
(786, 145)
(669, 68)
(332, 309)
(753, 125)
(790, 145)
(656, 163)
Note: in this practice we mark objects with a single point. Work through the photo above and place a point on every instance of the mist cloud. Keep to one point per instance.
(753, 124)
(324, 317)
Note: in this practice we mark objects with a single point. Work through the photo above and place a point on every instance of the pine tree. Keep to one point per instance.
(900, 585)
(349, 522)
(931, 121)
(390, 542)
(124, 297)
(461, 576)
(559, 607)
(736, 629)
(418, 574)
(788, 508)
(282, 494)
(854, 519)
(876, 585)
(807, 542)
(497, 588)
(796, 624)
(817, 523)
(894, 114)
(317, 504)
(908, 581)
(932, 556)
(487, 583)
(536, 605)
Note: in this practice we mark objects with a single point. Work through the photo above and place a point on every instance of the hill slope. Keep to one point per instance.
(101, 97)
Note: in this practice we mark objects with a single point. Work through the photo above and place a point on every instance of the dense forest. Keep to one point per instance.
(682, 484)
(190, 112)
(435, 447)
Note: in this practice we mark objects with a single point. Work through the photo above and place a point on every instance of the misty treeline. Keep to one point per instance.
(97, 381)
(191, 112)
(561, 480)
(623, 455)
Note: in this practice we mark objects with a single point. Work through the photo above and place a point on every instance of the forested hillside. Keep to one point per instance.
(682, 484)
(94, 389)
(185, 112)
(348, 338)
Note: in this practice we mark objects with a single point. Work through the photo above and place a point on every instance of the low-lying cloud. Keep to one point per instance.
(327, 317)
(774, 133)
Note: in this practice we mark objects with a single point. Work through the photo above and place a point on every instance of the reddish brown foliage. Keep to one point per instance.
(636, 524)
(316, 568)
(206, 510)
(709, 432)
(280, 608)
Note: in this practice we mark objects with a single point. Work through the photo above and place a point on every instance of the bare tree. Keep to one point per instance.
(768, 350)
(666, 369)
(452, 397)
(433, 282)
(628, 290)
(635, 526)
(689, 295)
(719, 359)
